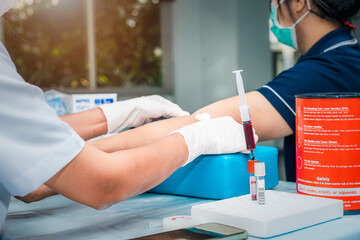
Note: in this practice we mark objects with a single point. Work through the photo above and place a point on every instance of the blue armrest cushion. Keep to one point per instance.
(220, 176)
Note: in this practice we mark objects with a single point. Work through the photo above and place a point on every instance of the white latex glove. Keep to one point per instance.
(214, 136)
(138, 111)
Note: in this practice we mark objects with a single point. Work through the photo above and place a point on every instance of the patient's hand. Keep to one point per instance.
(42, 192)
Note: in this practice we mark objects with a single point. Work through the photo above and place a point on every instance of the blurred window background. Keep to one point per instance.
(85, 45)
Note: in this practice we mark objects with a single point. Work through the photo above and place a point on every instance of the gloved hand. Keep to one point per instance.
(138, 111)
(214, 136)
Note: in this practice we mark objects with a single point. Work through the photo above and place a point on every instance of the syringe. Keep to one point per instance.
(245, 115)
(248, 131)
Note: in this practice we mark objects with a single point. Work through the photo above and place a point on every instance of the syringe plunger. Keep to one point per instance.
(240, 87)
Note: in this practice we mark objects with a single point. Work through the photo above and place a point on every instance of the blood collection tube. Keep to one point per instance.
(252, 179)
(260, 181)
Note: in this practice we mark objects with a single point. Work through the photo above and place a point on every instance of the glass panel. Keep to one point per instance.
(47, 41)
(128, 43)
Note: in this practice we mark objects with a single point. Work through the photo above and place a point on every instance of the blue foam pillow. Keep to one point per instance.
(220, 176)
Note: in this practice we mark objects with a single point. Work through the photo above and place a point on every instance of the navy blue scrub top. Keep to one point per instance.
(331, 65)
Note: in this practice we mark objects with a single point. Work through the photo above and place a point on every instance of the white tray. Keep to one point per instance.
(282, 213)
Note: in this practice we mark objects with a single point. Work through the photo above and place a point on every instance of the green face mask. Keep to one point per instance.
(285, 35)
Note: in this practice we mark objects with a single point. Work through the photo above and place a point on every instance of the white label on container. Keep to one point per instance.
(331, 192)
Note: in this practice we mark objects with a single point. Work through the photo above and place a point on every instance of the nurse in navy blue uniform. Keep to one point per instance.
(322, 31)
(330, 62)
(330, 59)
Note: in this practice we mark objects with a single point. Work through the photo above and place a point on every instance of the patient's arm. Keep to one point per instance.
(88, 124)
(143, 135)
(268, 123)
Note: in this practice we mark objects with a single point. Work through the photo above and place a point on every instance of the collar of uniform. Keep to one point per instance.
(330, 39)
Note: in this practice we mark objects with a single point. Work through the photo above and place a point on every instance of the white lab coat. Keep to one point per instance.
(34, 143)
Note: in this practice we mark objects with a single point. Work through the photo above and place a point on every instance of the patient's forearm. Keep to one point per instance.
(267, 122)
(88, 124)
(155, 131)
(225, 107)
(143, 135)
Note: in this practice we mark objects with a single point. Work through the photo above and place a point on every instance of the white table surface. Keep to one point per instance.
(61, 218)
